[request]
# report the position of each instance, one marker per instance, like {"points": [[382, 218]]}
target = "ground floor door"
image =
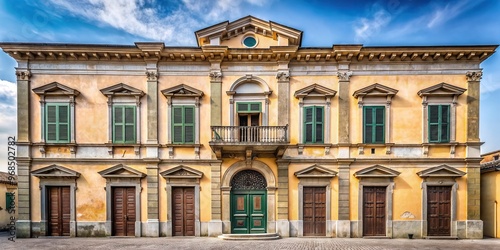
{"points": [[438, 210], [248, 211], [59, 211], [124, 211], [374, 209], [183, 211], [314, 211]]}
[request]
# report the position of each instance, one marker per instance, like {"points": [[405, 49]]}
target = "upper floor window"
{"points": [[123, 113], [313, 124], [374, 103], [57, 112], [374, 124], [124, 124], [183, 124], [57, 122], [439, 123], [439, 110]]}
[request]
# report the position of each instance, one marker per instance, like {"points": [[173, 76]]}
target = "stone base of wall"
{"points": [[151, 228], [474, 229], [401, 229], [343, 229], [214, 228], [91, 229], [283, 228], [23, 229]]}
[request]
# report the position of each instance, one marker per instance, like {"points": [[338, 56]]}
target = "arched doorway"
{"points": [[248, 203]]}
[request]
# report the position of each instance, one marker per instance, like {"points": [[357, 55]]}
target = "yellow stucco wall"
{"points": [[262, 41], [490, 197], [5, 216]]}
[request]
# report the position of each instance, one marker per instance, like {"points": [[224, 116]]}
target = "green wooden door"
{"points": [[248, 211]]}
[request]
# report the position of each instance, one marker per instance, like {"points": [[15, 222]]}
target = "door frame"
{"points": [[388, 203], [44, 200], [319, 182], [226, 193], [453, 206], [109, 207], [197, 223], [247, 192], [362, 195]]}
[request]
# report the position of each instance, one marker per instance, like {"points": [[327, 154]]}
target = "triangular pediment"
{"points": [[441, 89], [55, 88], [182, 90], [182, 172], [122, 89], [263, 30], [441, 171], [121, 171], [377, 171], [375, 90], [315, 90], [316, 171], [55, 171]]}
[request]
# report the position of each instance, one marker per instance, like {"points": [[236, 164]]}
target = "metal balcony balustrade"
{"points": [[250, 134]]}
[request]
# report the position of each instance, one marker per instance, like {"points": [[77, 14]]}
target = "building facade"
{"points": [[490, 193], [248, 133]]}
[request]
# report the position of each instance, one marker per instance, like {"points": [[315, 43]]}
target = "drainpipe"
{"points": [[495, 222]]}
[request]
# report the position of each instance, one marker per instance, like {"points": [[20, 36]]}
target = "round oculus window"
{"points": [[249, 41]]}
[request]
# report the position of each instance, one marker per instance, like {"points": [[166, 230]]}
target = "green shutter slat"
{"points": [[51, 114], [177, 115], [178, 134], [248, 107], [63, 114], [189, 115], [439, 123], [255, 107], [374, 124], [183, 122], [124, 122], [189, 134], [129, 115], [433, 114], [118, 114], [242, 107], [63, 132], [313, 124], [57, 123]]}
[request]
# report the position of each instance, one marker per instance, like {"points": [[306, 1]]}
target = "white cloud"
{"points": [[175, 27], [8, 123], [366, 27]]}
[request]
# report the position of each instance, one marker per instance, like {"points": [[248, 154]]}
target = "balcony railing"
{"points": [[250, 134]]}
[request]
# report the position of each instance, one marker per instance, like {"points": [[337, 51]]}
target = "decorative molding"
{"points": [[441, 89], [121, 171], [55, 89], [314, 90], [344, 76], [55, 171], [315, 171], [182, 90], [215, 76], [121, 89], [152, 75], [441, 171], [375, 90], [376, 171], [182, 172], [23, 75], [283, 76], [474, 76]]}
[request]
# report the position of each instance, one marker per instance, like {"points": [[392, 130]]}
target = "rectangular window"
{"points": [[183, 124], [9, 200], [313, 124], [57, 123], [248, 107], [439, 123], [373, 127], [124, 124]]}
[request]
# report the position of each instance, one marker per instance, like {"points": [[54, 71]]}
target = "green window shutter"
{"points": [[313, 124], [9, 198], [439, 123], [57, 123], [374, 124], [248, 107], [124, 124], [183, 123]]}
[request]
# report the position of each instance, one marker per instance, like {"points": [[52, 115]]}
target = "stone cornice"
{"points": [[157, 51]]}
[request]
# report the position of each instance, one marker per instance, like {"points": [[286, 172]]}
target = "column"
{"points": [[283, 224], [23, 223], [344, 223], [152, 228], [474, 226], [215, 226], [283, 77]]}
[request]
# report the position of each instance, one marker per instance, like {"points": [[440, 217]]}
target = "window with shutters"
{"points": [[373, 124], [10, 201], [57, 122], [248, 107], [124, 122], [313, 124], [439, 123], [183, 124]]}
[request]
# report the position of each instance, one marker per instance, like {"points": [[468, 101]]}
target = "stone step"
{"points": [[264, 236]]}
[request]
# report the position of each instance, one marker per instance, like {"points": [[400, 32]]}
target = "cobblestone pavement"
{"points": [[215, 243]]}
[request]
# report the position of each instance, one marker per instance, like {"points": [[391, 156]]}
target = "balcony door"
{"points": [[249, 131]]}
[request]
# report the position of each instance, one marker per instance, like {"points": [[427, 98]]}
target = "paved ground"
{"points": [[215, 243]]}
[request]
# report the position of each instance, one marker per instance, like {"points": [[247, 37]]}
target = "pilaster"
{"points": [[343, 224], [283, 77], [215, 225], [283, 224], [23, 223], [215, 93]]}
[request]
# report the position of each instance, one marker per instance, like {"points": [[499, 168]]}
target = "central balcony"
{"points": [[235, 140]]}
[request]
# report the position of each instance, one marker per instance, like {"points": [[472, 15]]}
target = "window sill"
{"points": [[137, 147], [42, 146], [171, 146], [327, 146]]}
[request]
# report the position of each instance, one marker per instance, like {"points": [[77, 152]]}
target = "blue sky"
{"points": [[324, 23]]}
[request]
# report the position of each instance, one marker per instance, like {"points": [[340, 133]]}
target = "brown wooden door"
{"points": [[124, 211], [374, 211], [438, 211], [314, 211], [59, 211], [183, 211]]}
